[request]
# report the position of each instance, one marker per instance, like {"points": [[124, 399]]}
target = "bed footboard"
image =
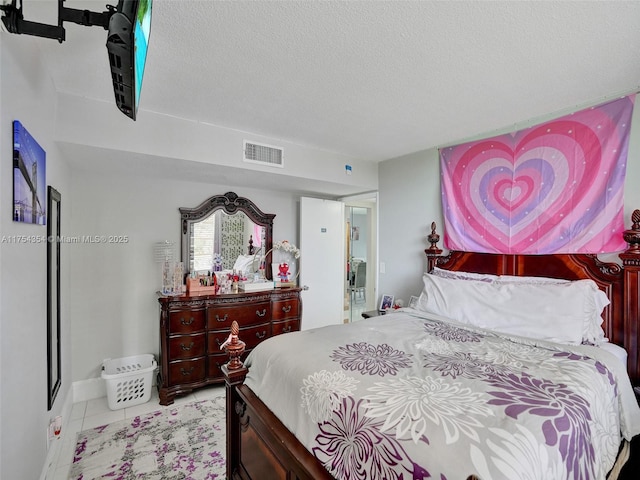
{"points": [[259, 446]]}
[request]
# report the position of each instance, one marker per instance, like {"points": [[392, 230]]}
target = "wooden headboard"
{"points": [[621, 282]]}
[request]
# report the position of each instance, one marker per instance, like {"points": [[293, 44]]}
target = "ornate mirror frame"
{"points": [[230, 203], [54, 364]]}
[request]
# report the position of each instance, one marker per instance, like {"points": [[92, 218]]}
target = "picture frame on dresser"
{"points": [[386, 302]]}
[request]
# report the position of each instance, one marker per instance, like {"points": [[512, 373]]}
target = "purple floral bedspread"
{"points": [[403, 396]]}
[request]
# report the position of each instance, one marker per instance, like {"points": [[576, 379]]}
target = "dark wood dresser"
{"points": [[192, 328]]}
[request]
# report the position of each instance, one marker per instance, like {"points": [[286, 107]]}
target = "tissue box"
{"points": [[255, 286]]}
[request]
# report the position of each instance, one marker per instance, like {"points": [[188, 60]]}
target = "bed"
{"points": [[347, 401]]}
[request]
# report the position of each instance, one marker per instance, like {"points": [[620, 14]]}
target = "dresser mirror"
{"points": [[223, 232]]}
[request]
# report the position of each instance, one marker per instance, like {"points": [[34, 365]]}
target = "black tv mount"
{"points": [[15, 22]]}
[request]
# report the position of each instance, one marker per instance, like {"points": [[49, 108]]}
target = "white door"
{"points": [[322, 248]]}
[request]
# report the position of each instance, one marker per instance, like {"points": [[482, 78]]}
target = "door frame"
{"points": [[368, 200]]}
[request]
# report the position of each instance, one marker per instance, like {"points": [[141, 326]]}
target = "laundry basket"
{"points": [[129, 380]]}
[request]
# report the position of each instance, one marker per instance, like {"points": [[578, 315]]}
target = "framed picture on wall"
{"points": [[386, 302], [29, 179]]}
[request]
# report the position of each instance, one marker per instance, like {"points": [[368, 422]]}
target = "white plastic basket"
{"points": [[129, 380]]}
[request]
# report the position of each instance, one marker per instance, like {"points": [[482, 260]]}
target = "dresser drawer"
{"points": [[251, 336], [222, 317], [187, 371], [283, 309], [186, 321], [186, 346], [285, 326]]}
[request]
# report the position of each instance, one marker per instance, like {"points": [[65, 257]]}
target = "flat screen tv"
{"points": [[127, 44]]}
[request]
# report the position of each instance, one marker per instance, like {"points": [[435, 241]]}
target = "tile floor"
{"points": [[96, 412]]}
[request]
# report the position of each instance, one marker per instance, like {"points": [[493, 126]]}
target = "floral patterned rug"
{"points": [[182, 442]]}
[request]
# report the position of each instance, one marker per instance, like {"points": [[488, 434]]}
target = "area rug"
{"points": [[182, 442]]}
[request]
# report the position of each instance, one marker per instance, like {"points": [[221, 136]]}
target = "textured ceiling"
{"points": [[371, 79]]}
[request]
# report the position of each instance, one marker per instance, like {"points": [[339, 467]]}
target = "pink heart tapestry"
{"points": [[557, 187]]}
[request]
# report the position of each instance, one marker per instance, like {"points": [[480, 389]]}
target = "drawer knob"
{"points": [[286, 309], [186, 322], [262, 334], [264, 312], [186, 372], [287, 329], [186, 347], [223, 319]]}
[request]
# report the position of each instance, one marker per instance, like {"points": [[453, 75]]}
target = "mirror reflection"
{"points": [[221, 239], [226, 232]]}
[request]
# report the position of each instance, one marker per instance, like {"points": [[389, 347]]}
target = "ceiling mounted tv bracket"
{"points": [[15, 22]]}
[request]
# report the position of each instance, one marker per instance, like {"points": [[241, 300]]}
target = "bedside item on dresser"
{"points": [[386, 302], [172, 271], [373, 313], [255, 286], [413, 301], [202, 284], [285, 270], [192, 329]]}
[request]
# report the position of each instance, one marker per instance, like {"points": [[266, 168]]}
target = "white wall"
{"points": [[27, 94], [108, 302], [99, 125], [409, 189], [409, 200], [114, 285]]}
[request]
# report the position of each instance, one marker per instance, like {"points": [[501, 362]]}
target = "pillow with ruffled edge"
{"points": [[565, 312], [460, 275], [592, 332]]}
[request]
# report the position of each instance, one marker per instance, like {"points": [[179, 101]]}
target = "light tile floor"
{"points": [[96, 412]]}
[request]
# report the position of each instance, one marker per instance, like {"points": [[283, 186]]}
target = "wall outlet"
{"points": [[54, 429]]}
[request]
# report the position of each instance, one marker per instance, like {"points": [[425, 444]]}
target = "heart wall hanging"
{"points": [[557, 187]]}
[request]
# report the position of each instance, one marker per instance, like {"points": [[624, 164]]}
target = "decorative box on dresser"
{"points": [[192, 329]]}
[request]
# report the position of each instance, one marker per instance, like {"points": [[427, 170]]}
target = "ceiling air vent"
{"points": [[263, 154]]}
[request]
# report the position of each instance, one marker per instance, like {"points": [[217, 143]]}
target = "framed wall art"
{"points": [[29, 179]]}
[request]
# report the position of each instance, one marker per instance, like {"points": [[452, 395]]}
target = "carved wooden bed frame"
{"points": [[260, 447]]}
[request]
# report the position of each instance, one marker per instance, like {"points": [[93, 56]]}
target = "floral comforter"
{"points": [[405, 396]]}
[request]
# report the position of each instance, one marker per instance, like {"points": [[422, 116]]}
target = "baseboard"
{"points": [[84, 390]]}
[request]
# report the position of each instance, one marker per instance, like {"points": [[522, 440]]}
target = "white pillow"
{"points": [[459, 275], [619, 352], [592, 327], [487, 277], [555, 312], [592, 332]]}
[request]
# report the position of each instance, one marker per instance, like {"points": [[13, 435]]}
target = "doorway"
{"points": [[361, 255]]}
